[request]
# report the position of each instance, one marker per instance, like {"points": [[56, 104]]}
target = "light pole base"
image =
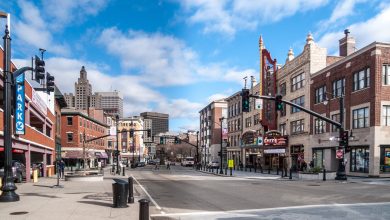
{"points": [[9, 196], [340, 176]]}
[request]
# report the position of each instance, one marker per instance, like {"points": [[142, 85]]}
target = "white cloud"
{"points": [[63, 12], [229, 16], [364, 32], [162, 60], [180, 108], [33, 30]]}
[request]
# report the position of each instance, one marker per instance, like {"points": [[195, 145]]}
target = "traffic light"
{"points": [[49, 83], [245, 100], [177, 140], [149, 133], [131, 133], [278, 103], [39, 69], [344, 139], [161, 140]]}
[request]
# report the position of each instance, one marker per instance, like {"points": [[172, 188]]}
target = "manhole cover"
{"points": [[313, 185], [18, 213]]}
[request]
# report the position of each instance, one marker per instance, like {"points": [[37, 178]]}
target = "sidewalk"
{"points": [[76, 200], [253, 175]]}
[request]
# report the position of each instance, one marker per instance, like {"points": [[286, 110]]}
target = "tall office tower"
{"points": [[110, 102], [83, 91], [160, 121]]}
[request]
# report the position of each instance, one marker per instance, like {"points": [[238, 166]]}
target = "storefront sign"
{"points": [[250, 138], [19, 105], [274, 138], [274, 151], [17, 151], [38, 102]]}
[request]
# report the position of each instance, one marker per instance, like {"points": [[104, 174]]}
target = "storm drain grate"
{"points": [[18, 213]]}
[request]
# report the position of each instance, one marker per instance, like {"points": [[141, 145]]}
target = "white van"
{"points": [[188, 162]]}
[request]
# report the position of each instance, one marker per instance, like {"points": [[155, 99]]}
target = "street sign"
{"points": [[231, 163], [20, 105], [339, 154]]}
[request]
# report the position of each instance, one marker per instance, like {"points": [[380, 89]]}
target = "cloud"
{"points": [[63, 12], [364, 32], [162, 60], [33, 30], [229, 16], [180, 108]]}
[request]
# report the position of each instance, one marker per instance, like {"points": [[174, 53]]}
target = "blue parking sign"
{"points": [[19, 105]]}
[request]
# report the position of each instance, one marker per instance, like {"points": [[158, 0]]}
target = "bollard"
{"points": [[217, 170], [245, 168], [269, 170], [130, 199], [225, 170], [123, 171], [261, 169], [255, 169], [231, 171], [212, 169], [250, 169], [290, 177], [285, 172], [324, 175], [277, 171], [143, 209], [282, 173]]}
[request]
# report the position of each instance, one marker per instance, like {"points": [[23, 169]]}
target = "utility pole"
{"points": [[117, 146], [221, 156], [197, 150]]}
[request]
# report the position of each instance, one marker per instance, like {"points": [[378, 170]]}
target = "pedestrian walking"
{"points": [[61, 169]]}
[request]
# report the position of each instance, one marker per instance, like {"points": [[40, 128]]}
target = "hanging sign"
{"points": [[19, 105]]}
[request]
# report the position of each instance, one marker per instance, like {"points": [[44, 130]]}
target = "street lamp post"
{"points": [[117, 145], [9, 187], [221, 157]]}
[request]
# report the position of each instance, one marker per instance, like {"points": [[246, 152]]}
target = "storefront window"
{"points": [[318, 157], [385, 159], [360, 160]]}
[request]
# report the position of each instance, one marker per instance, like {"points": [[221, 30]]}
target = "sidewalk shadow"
{"points": [[40, 195], [51, 186], [97, 203], [99, 196]]}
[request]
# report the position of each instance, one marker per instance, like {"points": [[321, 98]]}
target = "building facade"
{"points": [[159, 122], [212, 122], [77, 128], [110, 102], [132, 149], [293, 82], [362, 78]]}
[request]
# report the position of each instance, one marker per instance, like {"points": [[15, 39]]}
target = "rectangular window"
{"points": [[282, 89], [319, 126], [248, 122], [385, 159], [361, 79], [282, 129], [360, 118], [70, 137], [69, 120], [338, 87], [386, 74], [320, 94], [299, 101], [359, 160], [386, 115], [297, 126], [335, 117], [256, 119], [297, 82], [239, 124]]}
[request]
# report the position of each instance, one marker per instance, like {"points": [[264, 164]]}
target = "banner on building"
{"points": [[19, 105]]}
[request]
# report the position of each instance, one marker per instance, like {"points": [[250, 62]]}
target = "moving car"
{"points": [[18, 170], [188, 162], [214, 164]]}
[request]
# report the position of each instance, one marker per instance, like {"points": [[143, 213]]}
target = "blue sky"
{"points": [[176, 56]]}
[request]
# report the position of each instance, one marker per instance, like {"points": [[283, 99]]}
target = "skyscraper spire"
{"points": [[261, 43]]}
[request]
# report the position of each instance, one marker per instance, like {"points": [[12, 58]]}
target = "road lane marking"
{"points": [[243, 211], [150, 197]]}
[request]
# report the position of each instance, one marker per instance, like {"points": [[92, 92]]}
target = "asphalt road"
{"points": [[183, 193]]}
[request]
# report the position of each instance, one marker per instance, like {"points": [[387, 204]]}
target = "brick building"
{"points": [[75, 128], [131, 149], [210, 130], [234, 122], [37, 145], [362, 77]]}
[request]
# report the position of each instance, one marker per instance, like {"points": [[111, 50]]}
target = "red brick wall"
{"points": [[374, 94]]}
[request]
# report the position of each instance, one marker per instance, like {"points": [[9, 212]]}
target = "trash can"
{"points": [[120, 192]]}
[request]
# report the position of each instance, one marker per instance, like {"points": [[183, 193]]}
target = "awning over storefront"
{"points": [[101, 155]]}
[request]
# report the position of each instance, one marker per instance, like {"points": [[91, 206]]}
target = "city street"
{"points": [[183, 193]]}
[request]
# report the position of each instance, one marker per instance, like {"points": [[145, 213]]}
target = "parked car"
{"points": [[152, 162], [18, 171], [214, 164]]}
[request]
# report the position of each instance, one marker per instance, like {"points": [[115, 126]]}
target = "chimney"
{"points": [[346, 44]]}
